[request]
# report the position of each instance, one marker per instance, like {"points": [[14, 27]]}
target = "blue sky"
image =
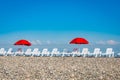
{"points": [[54, 21]]}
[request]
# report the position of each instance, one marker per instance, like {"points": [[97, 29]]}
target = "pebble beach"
{"points": [[59, 68]]}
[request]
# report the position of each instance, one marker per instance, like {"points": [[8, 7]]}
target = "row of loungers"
{"points": [[35, 52]]}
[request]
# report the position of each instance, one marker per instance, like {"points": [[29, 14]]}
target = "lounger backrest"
{"points": [[2, 50], [55, 50], [44, 51], [109, 50], [97, 50], [36, 50], [85, 50], [28, 50]]}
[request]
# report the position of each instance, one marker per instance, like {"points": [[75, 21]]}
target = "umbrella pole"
{"points": [[23, 50], [78, 49]]}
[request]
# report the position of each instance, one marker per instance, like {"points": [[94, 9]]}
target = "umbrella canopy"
{"points": [[23, 42], [79, 41]]}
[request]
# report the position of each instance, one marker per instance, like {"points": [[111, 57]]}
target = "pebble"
{"points": [[59, 68]]}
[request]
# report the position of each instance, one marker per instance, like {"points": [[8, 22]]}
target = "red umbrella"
{"points": [[79, 41], [23, 42]]}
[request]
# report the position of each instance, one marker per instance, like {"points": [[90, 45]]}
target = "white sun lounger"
{"points": [[109, 52], [19, 53], [36, 52], [28, 52], [10, 52], [75, 53], [45, 52], [55, 52], [85, 52], [65, 53], [97, 52], [2, 52]]}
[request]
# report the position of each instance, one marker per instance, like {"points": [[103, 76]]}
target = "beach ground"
{"points": [[59, 68]]}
